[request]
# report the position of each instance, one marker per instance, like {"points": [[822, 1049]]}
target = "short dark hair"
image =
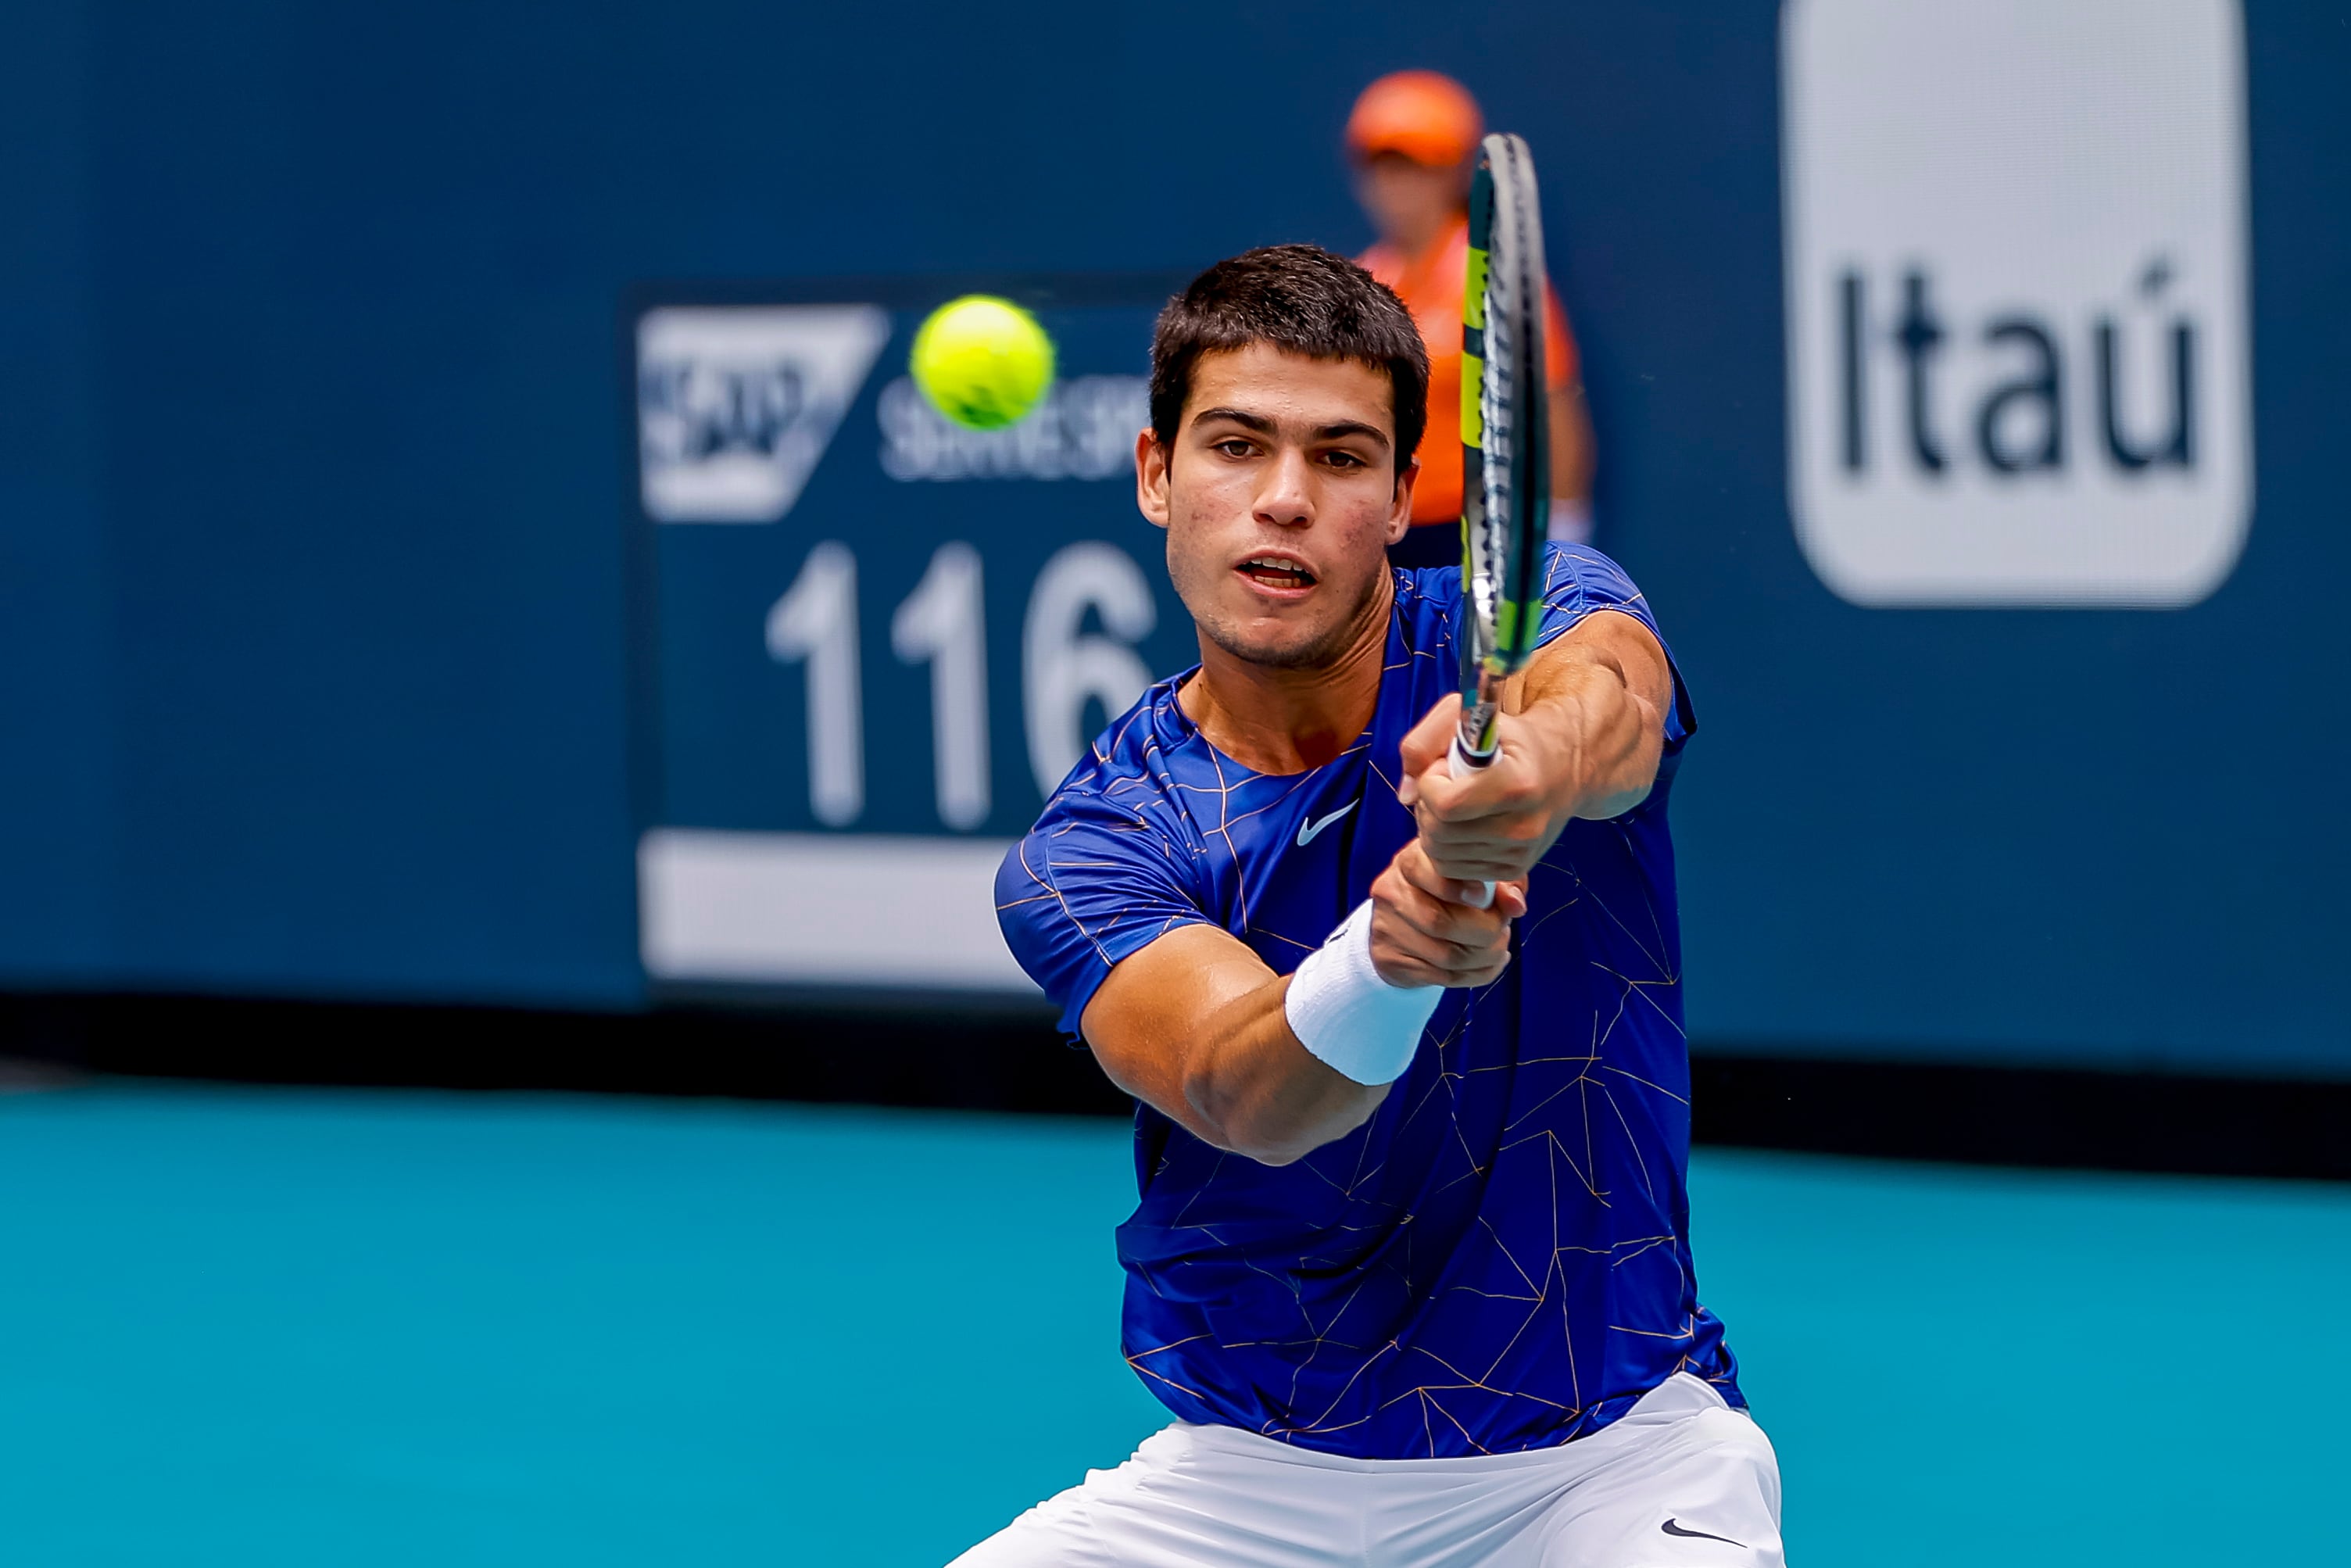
{"points": [[1301, 297]]}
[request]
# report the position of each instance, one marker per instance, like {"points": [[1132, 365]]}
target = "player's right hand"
{"points": [[1423, 934]]}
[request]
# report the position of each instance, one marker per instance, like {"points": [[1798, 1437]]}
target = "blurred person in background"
{"points": [[1414, 140]]}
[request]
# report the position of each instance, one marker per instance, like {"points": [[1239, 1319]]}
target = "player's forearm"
{"points": [[1581, 734], [1274, 1066], [1302, 1061], [1258, 1091], [1595, 705], [1194, 1026], [1605, 738]]}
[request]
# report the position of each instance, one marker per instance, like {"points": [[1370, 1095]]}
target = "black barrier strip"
{"points": [[943, 1058]]}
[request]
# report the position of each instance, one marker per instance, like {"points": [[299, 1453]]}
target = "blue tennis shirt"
{"points": [[1499, 1259]]}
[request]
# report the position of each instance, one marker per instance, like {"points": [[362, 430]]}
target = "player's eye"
{"points": [[1234, 446], [1346, 460]]}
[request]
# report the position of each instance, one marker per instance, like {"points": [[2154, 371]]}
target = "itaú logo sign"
{"points": [[2018, 350]]}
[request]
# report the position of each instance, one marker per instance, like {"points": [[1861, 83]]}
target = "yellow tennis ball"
{"points": [[984, 363]]}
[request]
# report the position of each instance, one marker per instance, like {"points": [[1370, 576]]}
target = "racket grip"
{"points": [[1458, 763]]}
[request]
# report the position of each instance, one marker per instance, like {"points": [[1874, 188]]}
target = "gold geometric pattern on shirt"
{"points": [[1567, 1097]]}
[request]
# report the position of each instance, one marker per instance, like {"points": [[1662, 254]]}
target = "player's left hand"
{"points": [[1492, 823]]}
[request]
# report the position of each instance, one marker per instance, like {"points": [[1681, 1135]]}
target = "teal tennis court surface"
{"points": [[299, 1327]]}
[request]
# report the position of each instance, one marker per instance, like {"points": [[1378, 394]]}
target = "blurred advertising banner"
{"points": [[878, 639]]}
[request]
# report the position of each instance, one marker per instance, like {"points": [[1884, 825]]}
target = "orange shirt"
{"points": [[1431, 290]]}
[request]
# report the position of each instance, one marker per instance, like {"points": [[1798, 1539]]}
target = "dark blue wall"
{"points": [[314, 479]]}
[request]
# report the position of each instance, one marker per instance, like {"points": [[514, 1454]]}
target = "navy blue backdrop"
{"points": [[317, 490]]}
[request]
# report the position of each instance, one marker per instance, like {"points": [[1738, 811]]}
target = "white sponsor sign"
{"points": [[736, 405], [821, 909], [2018, 346]]}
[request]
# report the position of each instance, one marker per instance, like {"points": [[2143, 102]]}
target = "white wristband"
{"points": [[1347, 1016]]}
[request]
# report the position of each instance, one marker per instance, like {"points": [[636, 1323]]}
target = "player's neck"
{"points": [[1274, 720]]}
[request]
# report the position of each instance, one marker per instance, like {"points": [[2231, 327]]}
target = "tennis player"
{"points": [[1411, 1265]]}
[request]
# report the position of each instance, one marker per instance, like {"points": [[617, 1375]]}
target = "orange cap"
{"points": [[1427, 115]]}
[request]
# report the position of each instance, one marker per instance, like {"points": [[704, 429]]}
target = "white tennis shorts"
{"points": [[1681, 1479]]}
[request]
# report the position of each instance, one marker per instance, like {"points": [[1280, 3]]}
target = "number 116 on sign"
{"points": [[942, 623]]}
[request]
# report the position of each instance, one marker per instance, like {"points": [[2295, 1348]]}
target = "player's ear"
{"points": [[1151, 477], [1400, 505]]}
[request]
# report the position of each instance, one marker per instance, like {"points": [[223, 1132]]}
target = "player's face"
{"points": [[1279, 497]]}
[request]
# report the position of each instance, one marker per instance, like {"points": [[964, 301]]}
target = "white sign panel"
{"points": [[2017, 344], [825, 910], [736, 405]]}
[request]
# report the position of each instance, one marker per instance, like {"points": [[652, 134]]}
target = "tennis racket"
{"points": [[1505, 444]]}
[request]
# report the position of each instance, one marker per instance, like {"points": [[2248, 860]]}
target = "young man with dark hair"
{"points": [[1411, 1264]]}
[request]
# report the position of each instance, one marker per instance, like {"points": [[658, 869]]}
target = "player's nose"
{"points": [[1285, 495]]}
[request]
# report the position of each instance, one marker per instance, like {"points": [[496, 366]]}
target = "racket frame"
{"points": [[1505, 439], [1505, 447]]}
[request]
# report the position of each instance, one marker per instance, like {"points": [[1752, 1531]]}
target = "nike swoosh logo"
{"points": [[1673, 1526], [1307, 831]]}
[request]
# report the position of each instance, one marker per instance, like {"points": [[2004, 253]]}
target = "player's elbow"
{"points": [[1275, 1154], [1242, 1121], [1273, 1149], [1626, 783], [1616, 802]]}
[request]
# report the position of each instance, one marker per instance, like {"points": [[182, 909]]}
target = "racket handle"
{"points": [[1458, 764]]}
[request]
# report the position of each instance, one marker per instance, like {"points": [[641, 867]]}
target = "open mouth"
{"points": [[1276, 571]]}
